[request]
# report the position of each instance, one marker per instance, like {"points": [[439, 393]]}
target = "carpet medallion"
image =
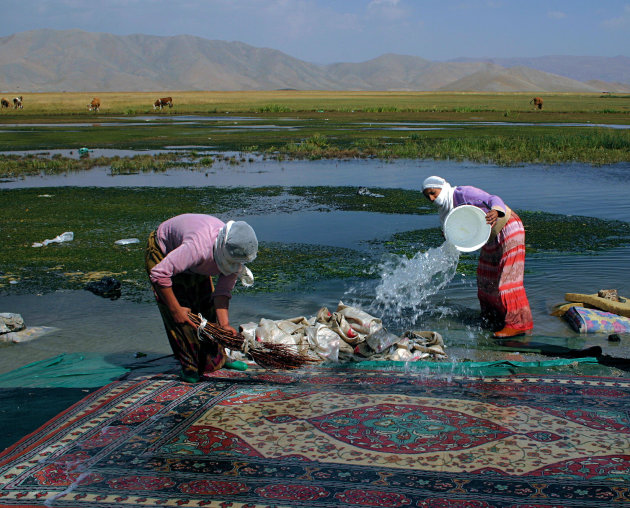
{"points": [[324, 437]]}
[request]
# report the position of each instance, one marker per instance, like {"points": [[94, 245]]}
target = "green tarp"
{"points": [[74, 370], [89, 370], [497, 368]]}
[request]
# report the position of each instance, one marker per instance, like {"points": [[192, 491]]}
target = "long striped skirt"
{"points": [[500, 279], [193, 291]]}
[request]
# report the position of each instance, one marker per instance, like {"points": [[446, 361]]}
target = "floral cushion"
{"points": [[585, 320]]}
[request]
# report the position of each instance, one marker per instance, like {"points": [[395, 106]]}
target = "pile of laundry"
{"points": [[348, 334]]}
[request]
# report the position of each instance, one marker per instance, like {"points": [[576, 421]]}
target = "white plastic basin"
{"points": [[465, 227]]}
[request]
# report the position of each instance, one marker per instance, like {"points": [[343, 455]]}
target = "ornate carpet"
{"points": [[331, 438]]}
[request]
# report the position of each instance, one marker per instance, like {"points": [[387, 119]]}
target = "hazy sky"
{"points": [[327, 31]]}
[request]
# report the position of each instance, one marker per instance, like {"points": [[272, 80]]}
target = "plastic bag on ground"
{"points": [[381, 340], [127, 241], [68, 236], [361, 321], [340, 325], [249, 331], [428, 342], [324, 342], [274, 331]]}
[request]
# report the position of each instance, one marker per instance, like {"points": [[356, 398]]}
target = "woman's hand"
{"points": [[179, 313], [221, 305], [180, 316], [491, 217], [229, 329]]}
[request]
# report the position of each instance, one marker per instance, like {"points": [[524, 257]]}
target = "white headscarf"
{"points": [[235, 245], [445, 199]]}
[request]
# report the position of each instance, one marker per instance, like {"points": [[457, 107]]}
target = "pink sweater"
{"points": [[467, 195], [187, 241]]}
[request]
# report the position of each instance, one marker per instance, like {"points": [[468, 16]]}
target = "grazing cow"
{"points": [[17, 102], [5, 103], [95, 105], [538, 102], [164, 101]]}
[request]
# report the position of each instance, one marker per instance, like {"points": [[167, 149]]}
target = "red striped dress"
{"points": [[500, 278]]}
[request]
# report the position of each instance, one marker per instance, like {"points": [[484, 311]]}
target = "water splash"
{"points": [[406, 284]]}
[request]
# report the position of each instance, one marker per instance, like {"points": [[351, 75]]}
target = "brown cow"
{"points": [[538, 102], [95, 105], [5, 103], [17, 102], [164, 101]]}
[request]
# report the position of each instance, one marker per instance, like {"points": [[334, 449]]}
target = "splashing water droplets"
{"points": [[406, 284]]}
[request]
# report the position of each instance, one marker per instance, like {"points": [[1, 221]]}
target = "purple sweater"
{"points": [[467, 195], [188, 241]]}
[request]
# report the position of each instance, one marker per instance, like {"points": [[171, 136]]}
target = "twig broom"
{"points": [[265, 354]]}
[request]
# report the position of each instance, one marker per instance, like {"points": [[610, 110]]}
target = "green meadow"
{"points": [[429, 106], [499, 128]]}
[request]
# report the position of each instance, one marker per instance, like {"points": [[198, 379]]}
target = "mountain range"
{"points": [[74, 61]]}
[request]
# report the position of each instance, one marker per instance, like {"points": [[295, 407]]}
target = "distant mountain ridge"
{"points": [[580, 68], [74, 60]]}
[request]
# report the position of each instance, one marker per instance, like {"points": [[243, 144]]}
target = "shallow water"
{"points": [[88, 323], [445, 125], [222, 122], [578, 189]]}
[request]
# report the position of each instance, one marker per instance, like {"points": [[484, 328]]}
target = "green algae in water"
{"points": [[401, 201], [546, 232], [100, 216]]}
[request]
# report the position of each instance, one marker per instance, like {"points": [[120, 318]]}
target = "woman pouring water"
{"points": [[182, 255], [504, 304]]}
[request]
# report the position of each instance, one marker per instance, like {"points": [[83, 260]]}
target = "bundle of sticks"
{"points": [[265, 354]]}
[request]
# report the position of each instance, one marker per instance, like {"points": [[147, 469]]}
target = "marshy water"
{"points": [[421, 293]]}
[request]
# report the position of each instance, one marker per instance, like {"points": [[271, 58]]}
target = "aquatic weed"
{"points": [[100, 216]]}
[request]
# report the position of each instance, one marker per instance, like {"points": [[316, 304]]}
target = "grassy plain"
{"points": [[444, 106], [499, 128]]}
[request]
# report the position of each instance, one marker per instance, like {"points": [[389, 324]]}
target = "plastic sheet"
{"points": [[68, 236], [64, 371], [27, 334], [498, 368], [126, 241]]}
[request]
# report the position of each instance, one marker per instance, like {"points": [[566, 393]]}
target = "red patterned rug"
{"points": [[331, 438]]}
